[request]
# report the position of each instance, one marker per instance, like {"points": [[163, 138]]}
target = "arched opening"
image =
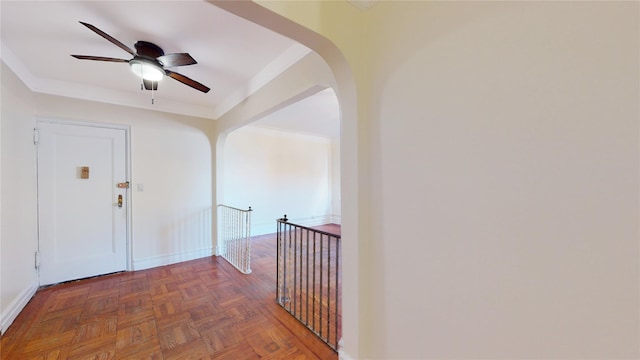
{"points": [[286, 162], [326, 67]]}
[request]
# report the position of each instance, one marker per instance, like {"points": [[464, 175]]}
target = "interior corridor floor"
{"points": [[200, 309]]}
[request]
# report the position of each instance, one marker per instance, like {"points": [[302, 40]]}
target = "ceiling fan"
{"points": [[149, 62]]}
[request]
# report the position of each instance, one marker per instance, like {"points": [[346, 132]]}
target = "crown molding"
{"points": [[95, 93], [279, 65]]}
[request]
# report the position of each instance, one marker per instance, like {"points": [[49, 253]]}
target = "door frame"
{"points": [[129, 193]]}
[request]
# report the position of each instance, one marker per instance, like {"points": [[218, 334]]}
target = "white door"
{"points": [[83, 227]]}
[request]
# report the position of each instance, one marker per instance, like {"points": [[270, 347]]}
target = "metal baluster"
{"points": [[338, 249], [223, 230], [234, 231], [295, 270], [301, 267], [227, 232], [307, 293], [278, 280], [248, 235], [328, 288], [232, 234], [230, 238], [236, 239], [295, 261], [284, 266], [291, 280], [314, 282], [242, 253], [242, 243], [321, 272]]}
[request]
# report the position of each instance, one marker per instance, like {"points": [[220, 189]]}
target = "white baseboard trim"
{"points": [[162, 260], [344, 356], [312, 221], [336, 219], [16, 306]]}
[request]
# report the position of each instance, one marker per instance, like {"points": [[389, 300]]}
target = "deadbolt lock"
{"points": [[123, 185]]}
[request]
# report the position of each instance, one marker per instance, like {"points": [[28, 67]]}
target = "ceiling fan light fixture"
{"points": [[148, 62], [146, 70]]}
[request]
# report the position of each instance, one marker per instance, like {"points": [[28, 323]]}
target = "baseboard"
{"points": [[336, 219], [155, 261], [344, 356], [13, 310], [312, 221]]}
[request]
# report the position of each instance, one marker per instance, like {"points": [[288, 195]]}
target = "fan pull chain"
{"points": [[142, 79]]}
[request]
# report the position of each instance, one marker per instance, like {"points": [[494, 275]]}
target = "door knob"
{"points": [[119, 200]]}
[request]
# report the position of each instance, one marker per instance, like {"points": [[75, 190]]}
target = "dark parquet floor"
{"points": [[200, 309]]}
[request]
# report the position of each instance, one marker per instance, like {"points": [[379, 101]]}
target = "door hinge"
{"points": [[36, 136], [37, 259]]}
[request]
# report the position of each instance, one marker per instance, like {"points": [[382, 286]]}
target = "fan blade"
{"points": [[189, 82], [99, 58], [180, 59], [108, 37], [150, 84]]}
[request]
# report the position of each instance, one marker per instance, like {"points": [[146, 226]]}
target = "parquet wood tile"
{"points": [[138, 334], [139, 341], [201, 309], [47, 343], [241, 350]]}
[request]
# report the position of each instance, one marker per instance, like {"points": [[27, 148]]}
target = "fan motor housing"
{"points": [[148, 50]]}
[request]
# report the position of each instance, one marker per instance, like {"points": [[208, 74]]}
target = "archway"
{"points": [[330, 68]]}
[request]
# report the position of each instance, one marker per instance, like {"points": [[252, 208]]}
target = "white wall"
{"points": [[336, 195], [170, 156], [509, 132], [496, 173], [173, 214], [276, 173], [2, 315], [506, 200], [18, 236]]}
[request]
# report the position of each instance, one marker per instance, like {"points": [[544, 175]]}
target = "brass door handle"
{"points": [[120, 201]]}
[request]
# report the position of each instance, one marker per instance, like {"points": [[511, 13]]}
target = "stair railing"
{"points": [[235, 236], [308, 278]]}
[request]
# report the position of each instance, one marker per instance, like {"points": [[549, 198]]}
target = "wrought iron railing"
{"points": [[308, 278], [235, 236]]}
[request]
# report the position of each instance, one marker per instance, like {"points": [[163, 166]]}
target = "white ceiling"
{"points": [[315, 115], [235, 57]]}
